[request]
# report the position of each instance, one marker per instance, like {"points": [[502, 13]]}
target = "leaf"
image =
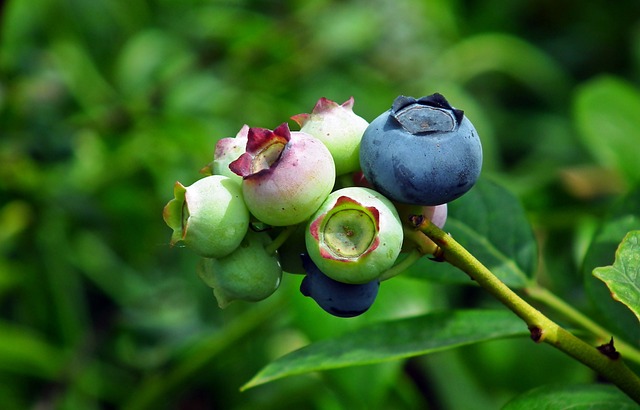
{"points": [[494, 52], [393, 340], [150, 58], [490, 223], [401, 297], [82, 76], [574, 397], [622, 278], [23, 351], [606, 112], [622, 218]]}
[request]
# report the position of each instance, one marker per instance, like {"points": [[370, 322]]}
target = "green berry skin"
{"points": [[354, 236], [248, 274], [209, 216], [339, 128], [228, 150]]}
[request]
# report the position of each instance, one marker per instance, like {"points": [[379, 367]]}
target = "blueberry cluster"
{"points": [[327, 201]]}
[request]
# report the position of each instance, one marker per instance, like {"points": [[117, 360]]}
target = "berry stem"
{"points": [[279, 240], [401, 266], [422, 243], [608, 364]]}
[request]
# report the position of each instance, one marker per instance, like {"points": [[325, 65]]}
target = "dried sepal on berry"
{"points": [[286, 175]]}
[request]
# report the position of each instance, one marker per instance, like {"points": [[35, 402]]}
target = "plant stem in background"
{"points": [[608, 364], [545, 296], [157, 387]]}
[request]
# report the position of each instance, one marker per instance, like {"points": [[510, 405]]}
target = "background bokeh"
{"points": [[104, 104]]}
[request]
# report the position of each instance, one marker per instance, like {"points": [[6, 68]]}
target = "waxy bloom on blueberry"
{"points": [[249, 273], [228, 150], [286, 175], [208, 216], [339, 128], [421, 152], [355, 235]]}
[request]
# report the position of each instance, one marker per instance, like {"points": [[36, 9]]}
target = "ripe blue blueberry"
{"points": [[421, 152], [337, 298]]}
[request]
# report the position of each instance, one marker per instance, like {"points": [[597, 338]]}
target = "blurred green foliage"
{"points": [[104, 104]]}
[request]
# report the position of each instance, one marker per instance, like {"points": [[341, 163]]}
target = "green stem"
{"points": [[413, 256], [543, 295], [279, 240], [344, 180], [541, 327], [418, 240]]}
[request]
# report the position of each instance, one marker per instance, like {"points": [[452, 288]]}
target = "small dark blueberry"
{"points": [[337, 298]]}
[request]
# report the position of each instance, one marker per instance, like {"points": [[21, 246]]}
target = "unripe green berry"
{"points": [[249, 273], [339, 128], [355, 235], [208, 216], [228, 150]]}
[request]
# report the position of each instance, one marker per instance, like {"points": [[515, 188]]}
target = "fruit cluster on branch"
{"points": [[329, 201]]}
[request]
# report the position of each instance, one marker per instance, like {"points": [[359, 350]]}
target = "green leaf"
{"points": [[623, 218], [494, 52], [606, 113], [392, 340], [23, 351], [574, 397], [82, 76], [490, 223], [398, 298], [622, 277], [149, 59]]}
